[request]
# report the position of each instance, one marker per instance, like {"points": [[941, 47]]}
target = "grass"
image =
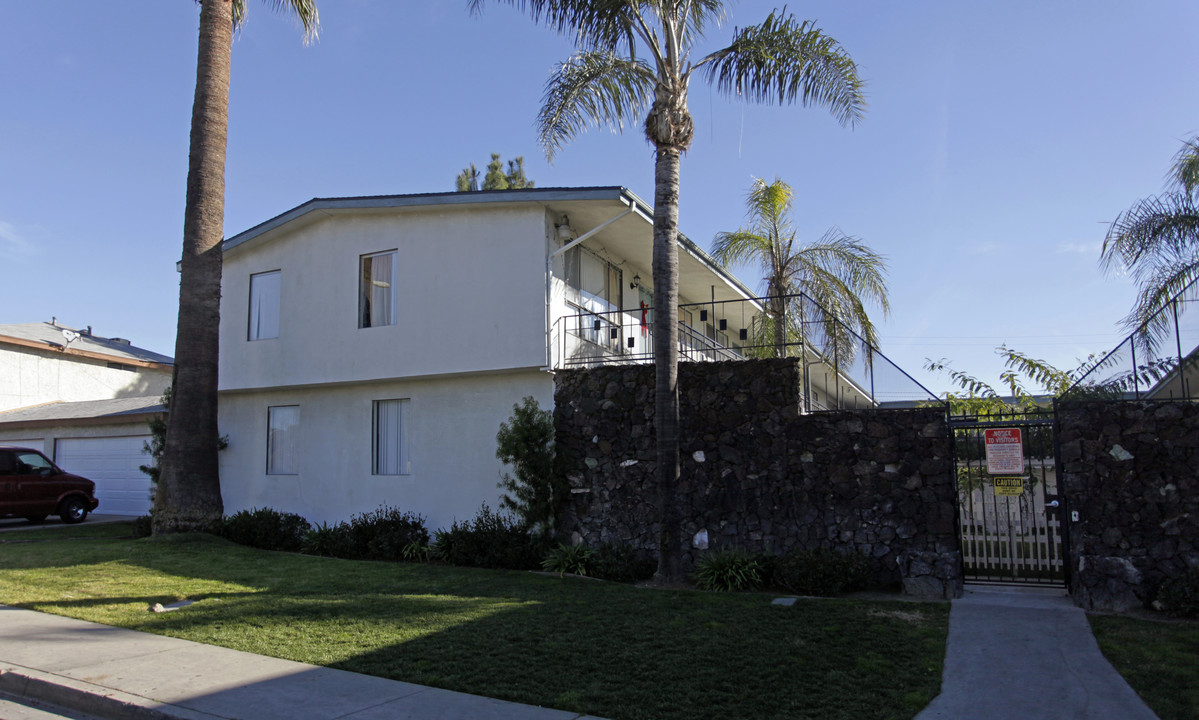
{"points": [[601, 648], [1160, 660]]}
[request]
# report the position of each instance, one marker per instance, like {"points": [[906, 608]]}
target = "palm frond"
{"points": [[1160, 283], [304, 10], [592, 88], [967, 382], [1185, 171], [593, 24], [1167, 223], [742, 246], [785, 60], [1050, 379], [860, 271]]}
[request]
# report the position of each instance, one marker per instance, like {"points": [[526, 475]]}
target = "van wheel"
{"points": [[72, 510], [35, 518]]}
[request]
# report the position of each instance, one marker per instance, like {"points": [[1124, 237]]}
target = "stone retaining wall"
{"points": [[757, 475], [1130, 470]]}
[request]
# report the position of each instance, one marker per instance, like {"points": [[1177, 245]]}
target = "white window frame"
{"points": [[376, 291], [282, 441], [269, 297], [389, 437]]}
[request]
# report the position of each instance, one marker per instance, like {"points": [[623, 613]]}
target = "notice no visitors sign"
{"points": [[1005, 451]]}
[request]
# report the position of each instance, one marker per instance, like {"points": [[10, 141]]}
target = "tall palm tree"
{"points": [[840, 273], [188, 496], [633, 60], [1157, 241]]}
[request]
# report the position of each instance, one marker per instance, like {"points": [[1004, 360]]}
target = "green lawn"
{"points": [[1160, 660], [588, 646]]}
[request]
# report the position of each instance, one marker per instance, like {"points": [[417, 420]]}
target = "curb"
{"points": [[66, 692]]}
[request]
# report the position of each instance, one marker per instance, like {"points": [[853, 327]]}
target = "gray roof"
{"points": [[86, 410], [52, 337]]}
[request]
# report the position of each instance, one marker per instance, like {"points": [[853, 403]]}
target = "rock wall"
{"points": [[758, 475], [1129, 469]]}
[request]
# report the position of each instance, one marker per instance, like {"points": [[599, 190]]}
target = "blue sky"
{"points": [[999, 139]]}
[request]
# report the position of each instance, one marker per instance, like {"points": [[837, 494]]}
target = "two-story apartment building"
{"points": [[371, 346]]}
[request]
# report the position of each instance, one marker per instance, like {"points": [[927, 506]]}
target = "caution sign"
{"points": [[1005, 451], [1008, 485]]}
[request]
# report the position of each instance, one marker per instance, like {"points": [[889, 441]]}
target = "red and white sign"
{"points": [[1005, 451]]}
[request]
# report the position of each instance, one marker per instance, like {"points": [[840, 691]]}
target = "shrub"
{"points": [[621, 563], [143, 526], [490, 540], [727, 570], [265, 528], [328, 541], [573, 559], [536, 491], [820, 571], [384, 533], [1180, 595]]}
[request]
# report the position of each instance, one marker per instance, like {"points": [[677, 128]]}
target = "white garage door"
{"points": [[110, 462]]}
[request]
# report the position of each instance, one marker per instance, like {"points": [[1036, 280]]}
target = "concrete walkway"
{"points": [[115, 673], [1027, 654]]}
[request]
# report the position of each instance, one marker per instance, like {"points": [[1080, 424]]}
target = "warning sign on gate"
{"points": [[1008, 485], [1005, 451]]}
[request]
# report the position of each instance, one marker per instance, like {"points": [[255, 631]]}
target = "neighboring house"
{"points": [[371, 346], [83, 400]]}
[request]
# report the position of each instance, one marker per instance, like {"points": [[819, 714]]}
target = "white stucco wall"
{"points": [[451, 428], [471, 297], [32, 377]]}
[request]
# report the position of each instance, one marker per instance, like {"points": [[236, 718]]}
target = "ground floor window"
{"points": [[390, 444], [282, 446]]}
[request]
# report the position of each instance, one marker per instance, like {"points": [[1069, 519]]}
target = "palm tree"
{"points": [[1157, 241], [838, 272], [188, 496], [634, 59]]}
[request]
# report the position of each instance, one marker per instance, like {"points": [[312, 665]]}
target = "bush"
{"points": [[383, 534], [265, 528], [328, 541], [820, 571], [490, 540], [621, 563], [573, 559], [143, 526], [1180, 595], [728, 570]]}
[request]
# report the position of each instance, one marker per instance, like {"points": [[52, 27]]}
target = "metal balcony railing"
{"points": [[841, 370]]}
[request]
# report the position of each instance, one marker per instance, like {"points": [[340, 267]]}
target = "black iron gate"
{"points": [[1008, 503]]}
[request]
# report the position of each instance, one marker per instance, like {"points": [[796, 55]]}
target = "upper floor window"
{"points": [[264, 305], [376, 293], [595, 283]]}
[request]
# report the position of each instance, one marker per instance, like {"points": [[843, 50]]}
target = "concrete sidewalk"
{"points": [[116, 673], [1028, 654]]}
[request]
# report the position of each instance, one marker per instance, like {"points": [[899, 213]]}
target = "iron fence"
{"points": [[840, 369], [1158, 361]]}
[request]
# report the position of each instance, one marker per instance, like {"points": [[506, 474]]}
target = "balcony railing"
{"points": [[841, 370]]}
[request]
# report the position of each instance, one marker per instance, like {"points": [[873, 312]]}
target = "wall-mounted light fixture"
{"points": [[566, 233], [636, 282]]}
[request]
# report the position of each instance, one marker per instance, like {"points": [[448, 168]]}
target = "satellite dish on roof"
{"points": [[69, 335]]}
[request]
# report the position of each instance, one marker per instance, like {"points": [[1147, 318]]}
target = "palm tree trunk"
{"points": [[188, 497], [666, 360]]}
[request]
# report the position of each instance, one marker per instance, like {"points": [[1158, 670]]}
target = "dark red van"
{"points": [[32, 487]]}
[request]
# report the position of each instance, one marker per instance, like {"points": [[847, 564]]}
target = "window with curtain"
{"points": [[376, 294], [264, 305], [390, 444], [282, 446]]}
